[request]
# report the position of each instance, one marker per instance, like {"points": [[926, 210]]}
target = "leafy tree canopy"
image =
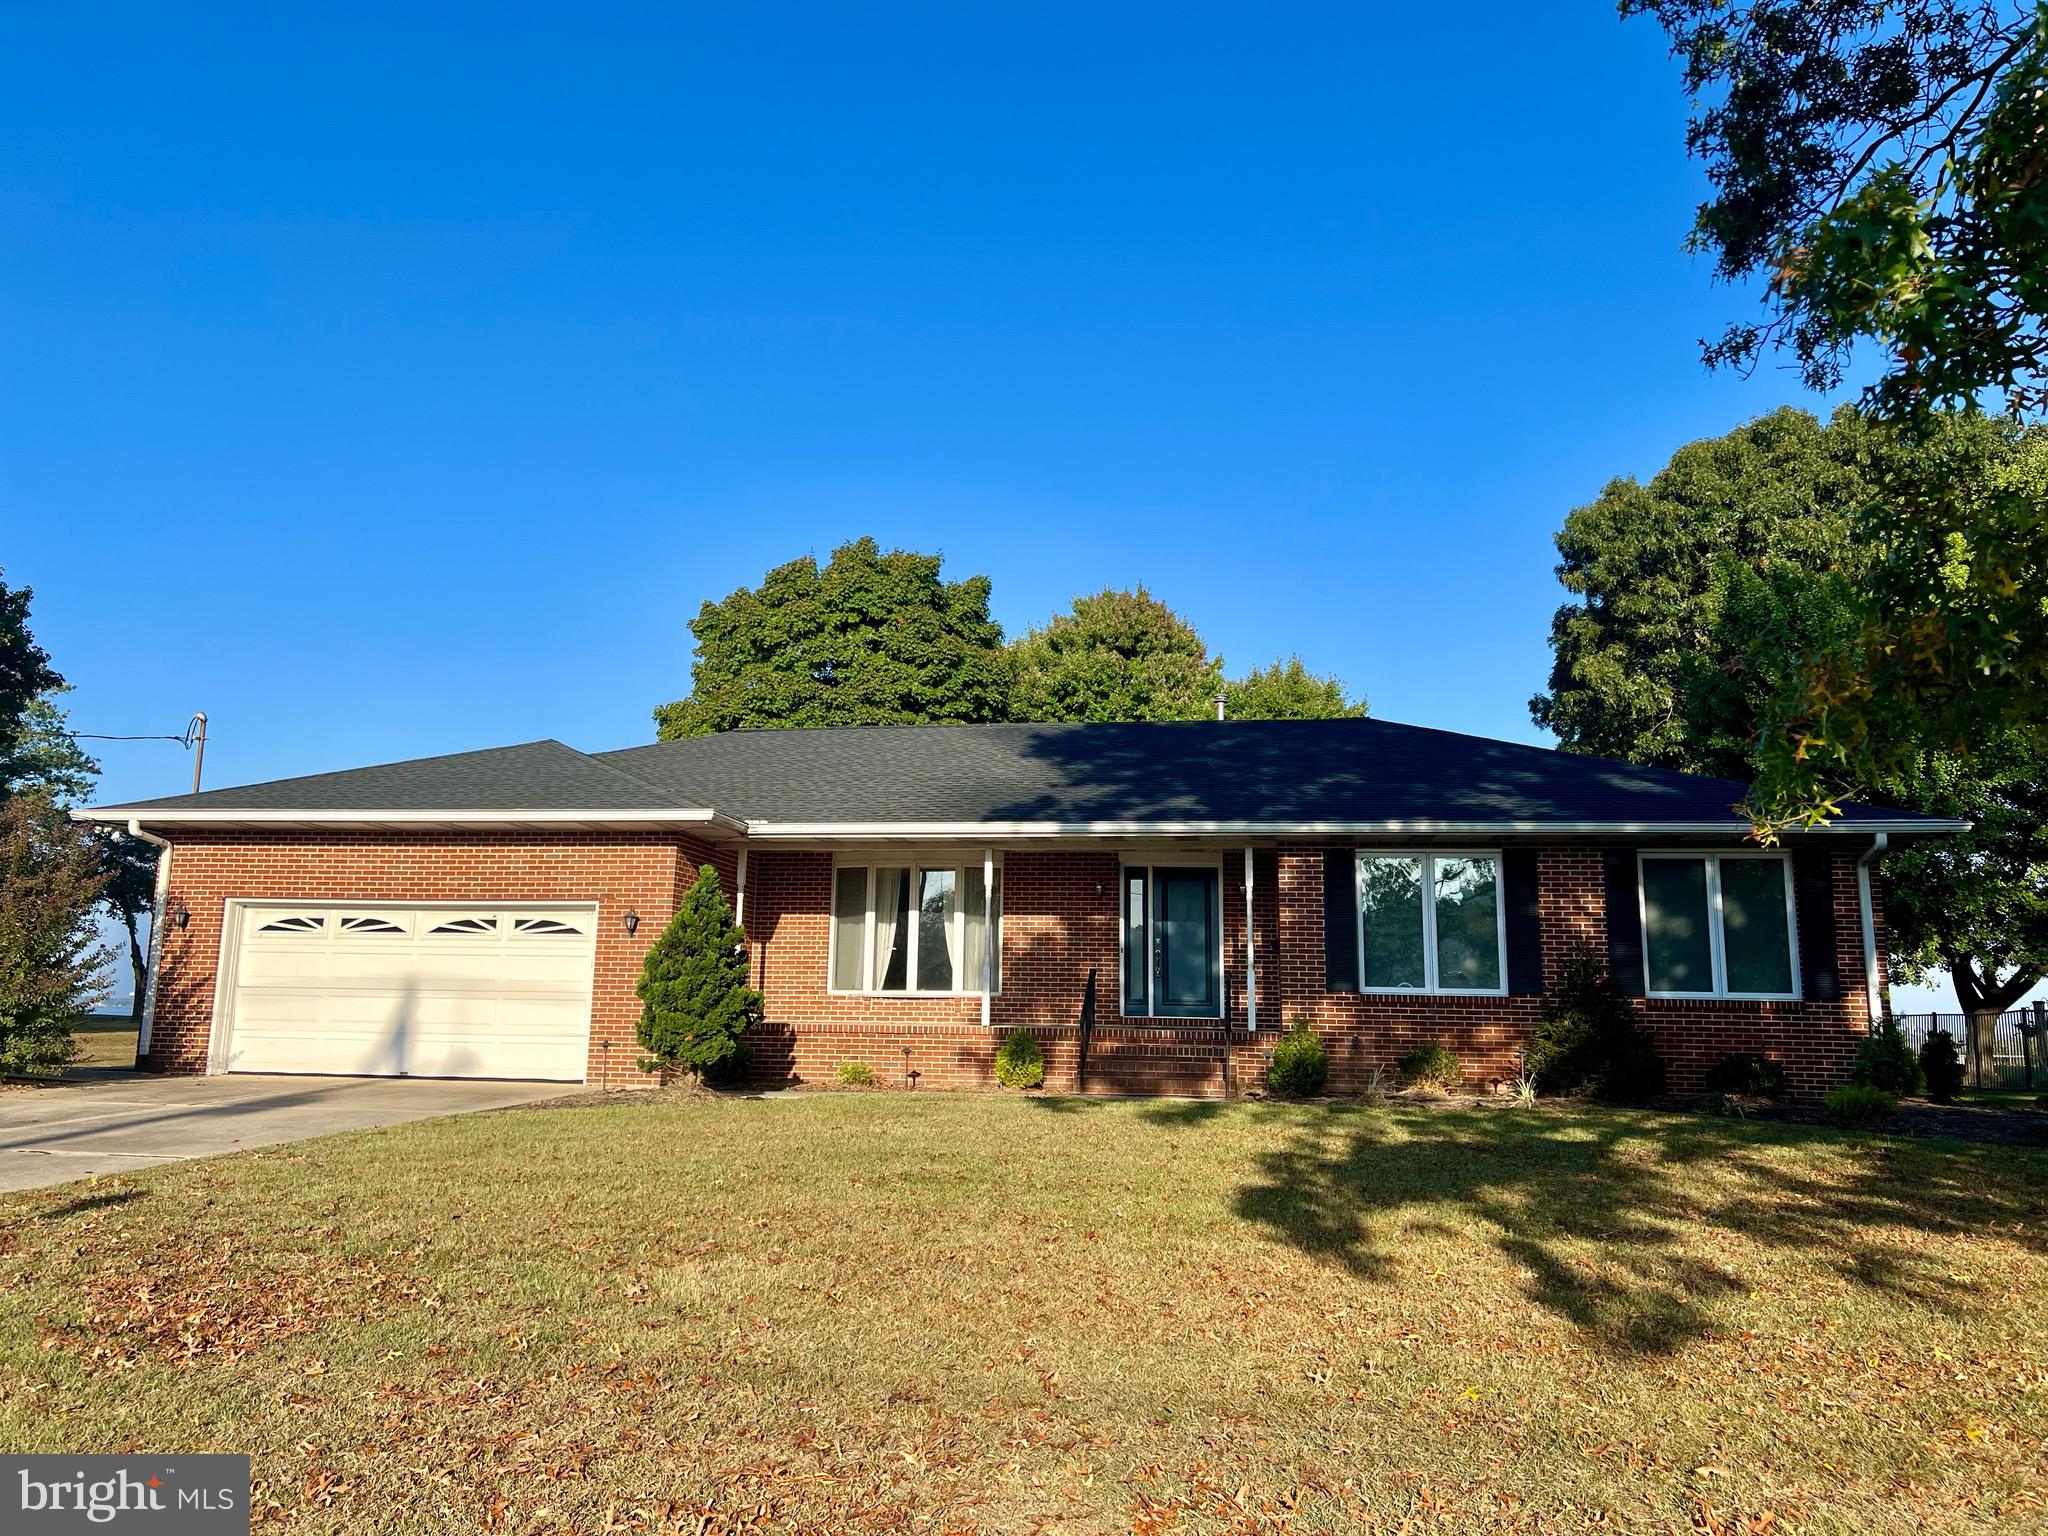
{"points": [[1703, 593], [1881, 167], [869, 639], [1119, 655], [51, 963], [25, 677], [1287, 690]]}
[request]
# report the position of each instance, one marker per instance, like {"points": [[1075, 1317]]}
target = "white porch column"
{"points": [[988, 928], [739, 895], [1251, 960]]}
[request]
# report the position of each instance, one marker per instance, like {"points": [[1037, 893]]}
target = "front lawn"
{"points": [[898, 1312]]}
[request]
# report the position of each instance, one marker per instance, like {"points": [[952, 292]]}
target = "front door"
{"points": [[1187, 944]]}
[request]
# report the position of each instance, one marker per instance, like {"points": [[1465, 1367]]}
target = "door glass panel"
{"points": [[1188, 949], [892, 929], [1681, 956], [1756, 943], [1137, 952], [1390, 908], [849, 927], [938, 936], [1467, 924]]}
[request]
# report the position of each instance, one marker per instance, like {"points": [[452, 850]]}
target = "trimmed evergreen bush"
{"points": [[1019, 1061], [1941, 1066], [1746, 1073], [693, 986], [856, 1074], [1301, 1064], [1588, 1039], [1886, 1061], [1858, 1104], [1434, 1065]]}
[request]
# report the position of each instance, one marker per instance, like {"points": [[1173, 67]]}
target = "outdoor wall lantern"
{"points": [[184, 916], [632, 922]]}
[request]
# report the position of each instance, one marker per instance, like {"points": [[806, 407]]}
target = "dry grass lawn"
{"points": [[892, 1312], [104, 1042]]}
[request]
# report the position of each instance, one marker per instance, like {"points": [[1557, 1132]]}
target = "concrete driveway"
{"points": [[120, 1122]]}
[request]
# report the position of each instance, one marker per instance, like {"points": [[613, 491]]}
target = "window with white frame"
{"points": [[911, 927], [1718, 925], [1430, 922]]}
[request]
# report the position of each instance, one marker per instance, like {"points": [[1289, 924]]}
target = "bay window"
{"points": [[914, 928], [1431, 922], [1717, 925]]}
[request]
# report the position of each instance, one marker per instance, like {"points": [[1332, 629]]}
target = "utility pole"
{"points": [[195, 737]]}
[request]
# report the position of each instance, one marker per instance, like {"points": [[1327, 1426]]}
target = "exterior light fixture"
{"points": [[632, 922], [184, 915]]}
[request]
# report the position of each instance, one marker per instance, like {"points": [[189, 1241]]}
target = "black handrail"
{"points": [[1086, 1030]]}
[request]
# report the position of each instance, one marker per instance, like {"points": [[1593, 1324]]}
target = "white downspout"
{"points": [[1251, 962], [989, 938], [1863, 863], [156, 931]]}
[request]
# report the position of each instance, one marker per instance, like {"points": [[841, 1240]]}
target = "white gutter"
{"points": [[1863, 863], [859, 831], [669, 816], [865, 831], [156, 931]]}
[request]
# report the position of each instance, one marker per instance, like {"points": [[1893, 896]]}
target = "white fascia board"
{"points": [[895, 831], [670, 816]]}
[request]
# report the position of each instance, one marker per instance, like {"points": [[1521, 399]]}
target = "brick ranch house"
{"points": [[912, 894]]}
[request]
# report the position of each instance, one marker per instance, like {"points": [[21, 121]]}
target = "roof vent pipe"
{"points": [[1221, 699]]}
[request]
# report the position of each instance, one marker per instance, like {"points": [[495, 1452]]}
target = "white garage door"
{"points": [[392, 991]]}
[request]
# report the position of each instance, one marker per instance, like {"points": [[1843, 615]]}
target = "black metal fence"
{"points": [[2015, 1058]]}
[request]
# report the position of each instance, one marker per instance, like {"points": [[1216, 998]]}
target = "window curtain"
{"points": [[888, 918]]}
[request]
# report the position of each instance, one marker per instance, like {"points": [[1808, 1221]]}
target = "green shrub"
{"points": [[1301, 1064], [1886, 1061], [1748, 1074], [1941, 1066], [856, 1074], [1019, 1062], [1858, 1104], [1434, 1065], [1588, 1039], [694, 987]]}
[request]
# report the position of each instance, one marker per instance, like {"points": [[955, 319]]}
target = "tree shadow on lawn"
{"points": [[1543, 1183]]}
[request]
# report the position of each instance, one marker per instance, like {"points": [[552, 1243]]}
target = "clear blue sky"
{"points": [[400, 380], [393, 381]]}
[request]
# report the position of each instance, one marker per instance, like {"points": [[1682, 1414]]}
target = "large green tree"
{"points": [[1287, 690], [26, 676], [1118, 655], [1879, 173], [52, 968], [868, 639], [1699, 597]]}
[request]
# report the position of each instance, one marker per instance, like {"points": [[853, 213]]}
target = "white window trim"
{"points": [[1167, 859], [962, 868], [1717, 941], [1428, 857]]}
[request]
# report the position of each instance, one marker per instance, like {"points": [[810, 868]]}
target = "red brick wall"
{"points": [[1060, 919], [643, 872]]}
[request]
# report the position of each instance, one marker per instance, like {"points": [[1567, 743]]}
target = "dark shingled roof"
{"points": [[536, 776], [1289, 772]]}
